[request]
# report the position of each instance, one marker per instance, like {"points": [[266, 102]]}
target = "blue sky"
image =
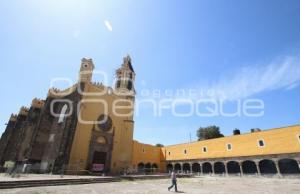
{"points": [[245, 49]]}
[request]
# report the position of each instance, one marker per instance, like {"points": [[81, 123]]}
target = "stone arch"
{"points": [[141, 167], [169, 167], [186, 167], [233, 167], [148, 167], [249, 167], [154, 167], [196, 167], [219, 168], [177, 167], [207, 167], [288, 166], [267, 167]]}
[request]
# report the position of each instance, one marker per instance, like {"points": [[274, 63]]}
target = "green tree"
{"points": [[209, 132], [159, 145]]}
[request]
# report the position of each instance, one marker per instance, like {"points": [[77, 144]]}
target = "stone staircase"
{"points": [[55, 182]]}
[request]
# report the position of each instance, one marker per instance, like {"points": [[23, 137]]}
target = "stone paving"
{"points": [[205, 185]]}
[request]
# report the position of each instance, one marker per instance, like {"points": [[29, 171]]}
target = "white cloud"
{"points": [[292, 86], [247, 81], [282, 73], [108, 25]]}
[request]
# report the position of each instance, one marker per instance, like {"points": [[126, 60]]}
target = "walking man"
{"points": [[174, 181]]}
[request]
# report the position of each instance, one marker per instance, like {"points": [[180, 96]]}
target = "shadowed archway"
{"points": [[196, 167], [154, 167], [249, 167], [267, 167], [207, 167], [288, 166], [219, 168], [177, 167], [169, 167], [186, 167], [233, 167], [148, 167], [141, 167]]}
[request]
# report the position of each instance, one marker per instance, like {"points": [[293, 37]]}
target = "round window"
{"points": [[104, 122]]}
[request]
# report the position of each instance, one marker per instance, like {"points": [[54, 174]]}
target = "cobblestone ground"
{"points": [[205, 185]]}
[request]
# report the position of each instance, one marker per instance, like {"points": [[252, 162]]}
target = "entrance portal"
{"points": [[99, 159]]}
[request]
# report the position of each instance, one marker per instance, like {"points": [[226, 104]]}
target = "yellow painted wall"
{"points": [[145, 153], [277, 141], [123, 135]]}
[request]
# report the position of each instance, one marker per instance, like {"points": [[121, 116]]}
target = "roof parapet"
{"points": [[13, 117], [255, 130], [55, 92], [97, 83], [37, 103], [23, 111]]}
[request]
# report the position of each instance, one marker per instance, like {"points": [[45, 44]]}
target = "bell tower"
{"points": [[86, 70], [125, 77], [122, 152]]}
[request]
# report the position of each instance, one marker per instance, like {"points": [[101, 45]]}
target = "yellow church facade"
{"points": [[89, 127]]}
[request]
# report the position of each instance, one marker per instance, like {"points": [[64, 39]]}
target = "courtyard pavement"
{"points": [[205, 185]]}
